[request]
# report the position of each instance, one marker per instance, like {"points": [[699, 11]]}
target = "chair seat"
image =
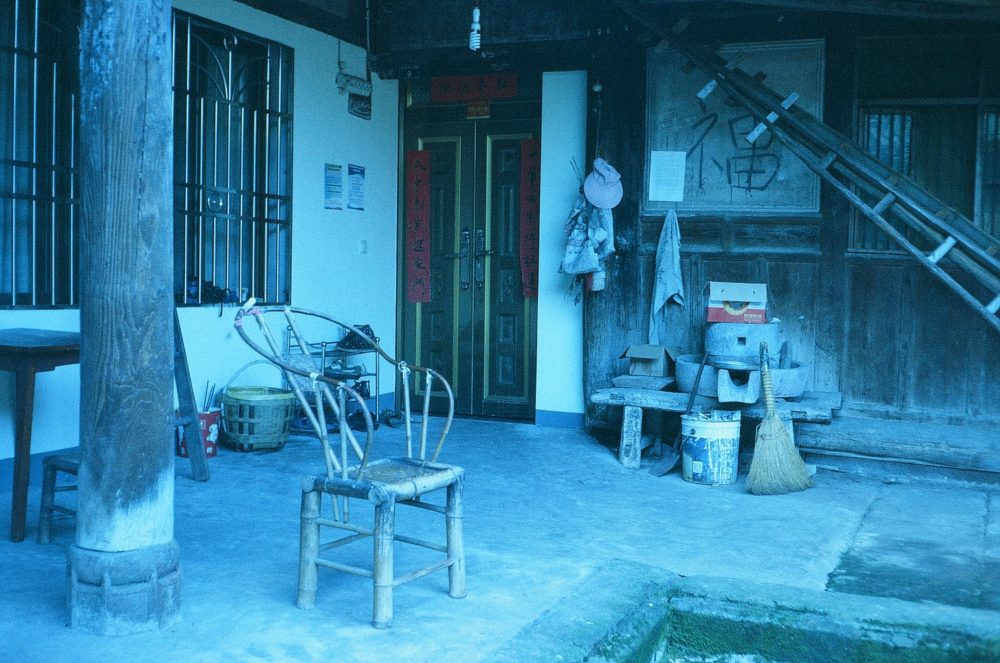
{"points": [[403, 477], [399, 474]]}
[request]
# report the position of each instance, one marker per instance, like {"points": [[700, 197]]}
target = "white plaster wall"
{"points": [[560, 320], [328, 273], [56, 420]]}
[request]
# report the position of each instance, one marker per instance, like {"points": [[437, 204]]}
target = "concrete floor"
{"points": [[545, 508]]}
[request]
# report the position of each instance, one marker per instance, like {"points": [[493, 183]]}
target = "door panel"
{"points": [[478, 329], [505, 346]]}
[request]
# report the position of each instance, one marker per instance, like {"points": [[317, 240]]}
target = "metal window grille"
{"points": [[888, 135], [232, 164], [39, 200]]}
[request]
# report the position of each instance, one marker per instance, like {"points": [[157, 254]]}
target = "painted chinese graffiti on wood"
{"points": [[723, 172]]}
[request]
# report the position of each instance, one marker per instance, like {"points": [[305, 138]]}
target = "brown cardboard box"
{"points": [[656, 360], [737, 302]]}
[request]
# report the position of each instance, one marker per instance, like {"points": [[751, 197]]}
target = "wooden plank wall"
{"points": [[878, 328]]}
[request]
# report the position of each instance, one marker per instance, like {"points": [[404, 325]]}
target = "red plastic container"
{"points": [[209, 424]]}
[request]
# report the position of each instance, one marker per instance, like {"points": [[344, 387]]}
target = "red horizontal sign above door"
{"points": [[446, 89]]}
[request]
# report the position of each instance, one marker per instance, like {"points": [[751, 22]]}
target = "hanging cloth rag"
{"points": [[668, 287]]}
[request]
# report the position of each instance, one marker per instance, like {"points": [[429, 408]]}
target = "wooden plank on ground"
{"points": [[188, 407], [813, 406]]}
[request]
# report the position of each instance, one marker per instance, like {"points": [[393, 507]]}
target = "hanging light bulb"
{"points": [[474, 37]]}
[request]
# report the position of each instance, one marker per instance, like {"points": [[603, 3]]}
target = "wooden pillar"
{"points": [[124, 567]]}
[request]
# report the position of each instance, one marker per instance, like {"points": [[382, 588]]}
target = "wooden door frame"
{"points": [[517, 111]]}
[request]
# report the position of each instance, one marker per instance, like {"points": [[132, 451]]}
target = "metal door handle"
{"points": [[480, 253], [463, 262]]}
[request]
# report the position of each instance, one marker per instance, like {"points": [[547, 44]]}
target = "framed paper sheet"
{"points": [[723, 172]]}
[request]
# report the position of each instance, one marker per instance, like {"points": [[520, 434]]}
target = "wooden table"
{"points": [[26, 352]]}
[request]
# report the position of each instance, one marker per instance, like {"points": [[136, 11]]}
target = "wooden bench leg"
{"points": [[308, 548], [382, 575], [630, 448], [453, 534]]}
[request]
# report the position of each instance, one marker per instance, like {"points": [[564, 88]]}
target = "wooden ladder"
{"points": [[926, 228]]}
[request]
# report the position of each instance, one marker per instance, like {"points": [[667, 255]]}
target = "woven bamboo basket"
{"points": [[256, 418]]}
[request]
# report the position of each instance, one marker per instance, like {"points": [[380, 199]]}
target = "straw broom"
{"points": [[777, 467]]}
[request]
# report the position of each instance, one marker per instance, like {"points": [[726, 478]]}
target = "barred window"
{"points": [[989, 187], [232, 164], [39, 199], [232, 159], [927, 109], [888, 135]]}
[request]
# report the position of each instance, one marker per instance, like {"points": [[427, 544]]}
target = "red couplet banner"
{"points": [[531, 169], [418, 229]]}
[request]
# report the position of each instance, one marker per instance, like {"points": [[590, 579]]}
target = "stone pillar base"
{"points": [[117, 593]]}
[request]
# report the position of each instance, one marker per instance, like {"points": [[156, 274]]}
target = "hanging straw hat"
{"points": [[603, 186]]}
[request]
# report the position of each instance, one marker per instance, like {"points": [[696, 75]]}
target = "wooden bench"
{"points": [[813, 407]]}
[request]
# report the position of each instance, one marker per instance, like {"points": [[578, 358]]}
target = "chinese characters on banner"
{"points": [[531, 166], [445, 89], [418, 230]]}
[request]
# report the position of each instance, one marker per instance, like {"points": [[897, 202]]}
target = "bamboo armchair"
{"points": [[384, 483]]}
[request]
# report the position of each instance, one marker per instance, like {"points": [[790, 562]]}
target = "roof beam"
{"points": [[958, 10]]}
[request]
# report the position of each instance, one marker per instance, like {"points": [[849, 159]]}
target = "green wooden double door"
{"points": [[479, 328]]}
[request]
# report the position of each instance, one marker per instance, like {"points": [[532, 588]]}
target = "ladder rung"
{"points": [[827, 160], [884, 204], [772, 117], [708, 89], [994, 306], [940, 251], [758, 130]]}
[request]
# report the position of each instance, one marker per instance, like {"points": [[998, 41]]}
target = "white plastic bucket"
{"points": [[710, 447]]}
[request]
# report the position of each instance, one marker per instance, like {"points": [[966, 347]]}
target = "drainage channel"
{"points": [[632, 612]]}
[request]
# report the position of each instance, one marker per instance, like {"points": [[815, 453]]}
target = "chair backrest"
{"points": [[316, 390]]}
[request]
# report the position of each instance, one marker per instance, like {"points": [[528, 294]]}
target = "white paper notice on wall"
{"points": [[355, 187], [666, 175], [333, 187]]}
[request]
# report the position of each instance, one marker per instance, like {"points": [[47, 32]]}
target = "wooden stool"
{"points": [[51, 465]]}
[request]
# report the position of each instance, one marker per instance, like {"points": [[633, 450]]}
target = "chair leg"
{"points": [[48, 498], [453, 534], [308, 547], [382, 573]]}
